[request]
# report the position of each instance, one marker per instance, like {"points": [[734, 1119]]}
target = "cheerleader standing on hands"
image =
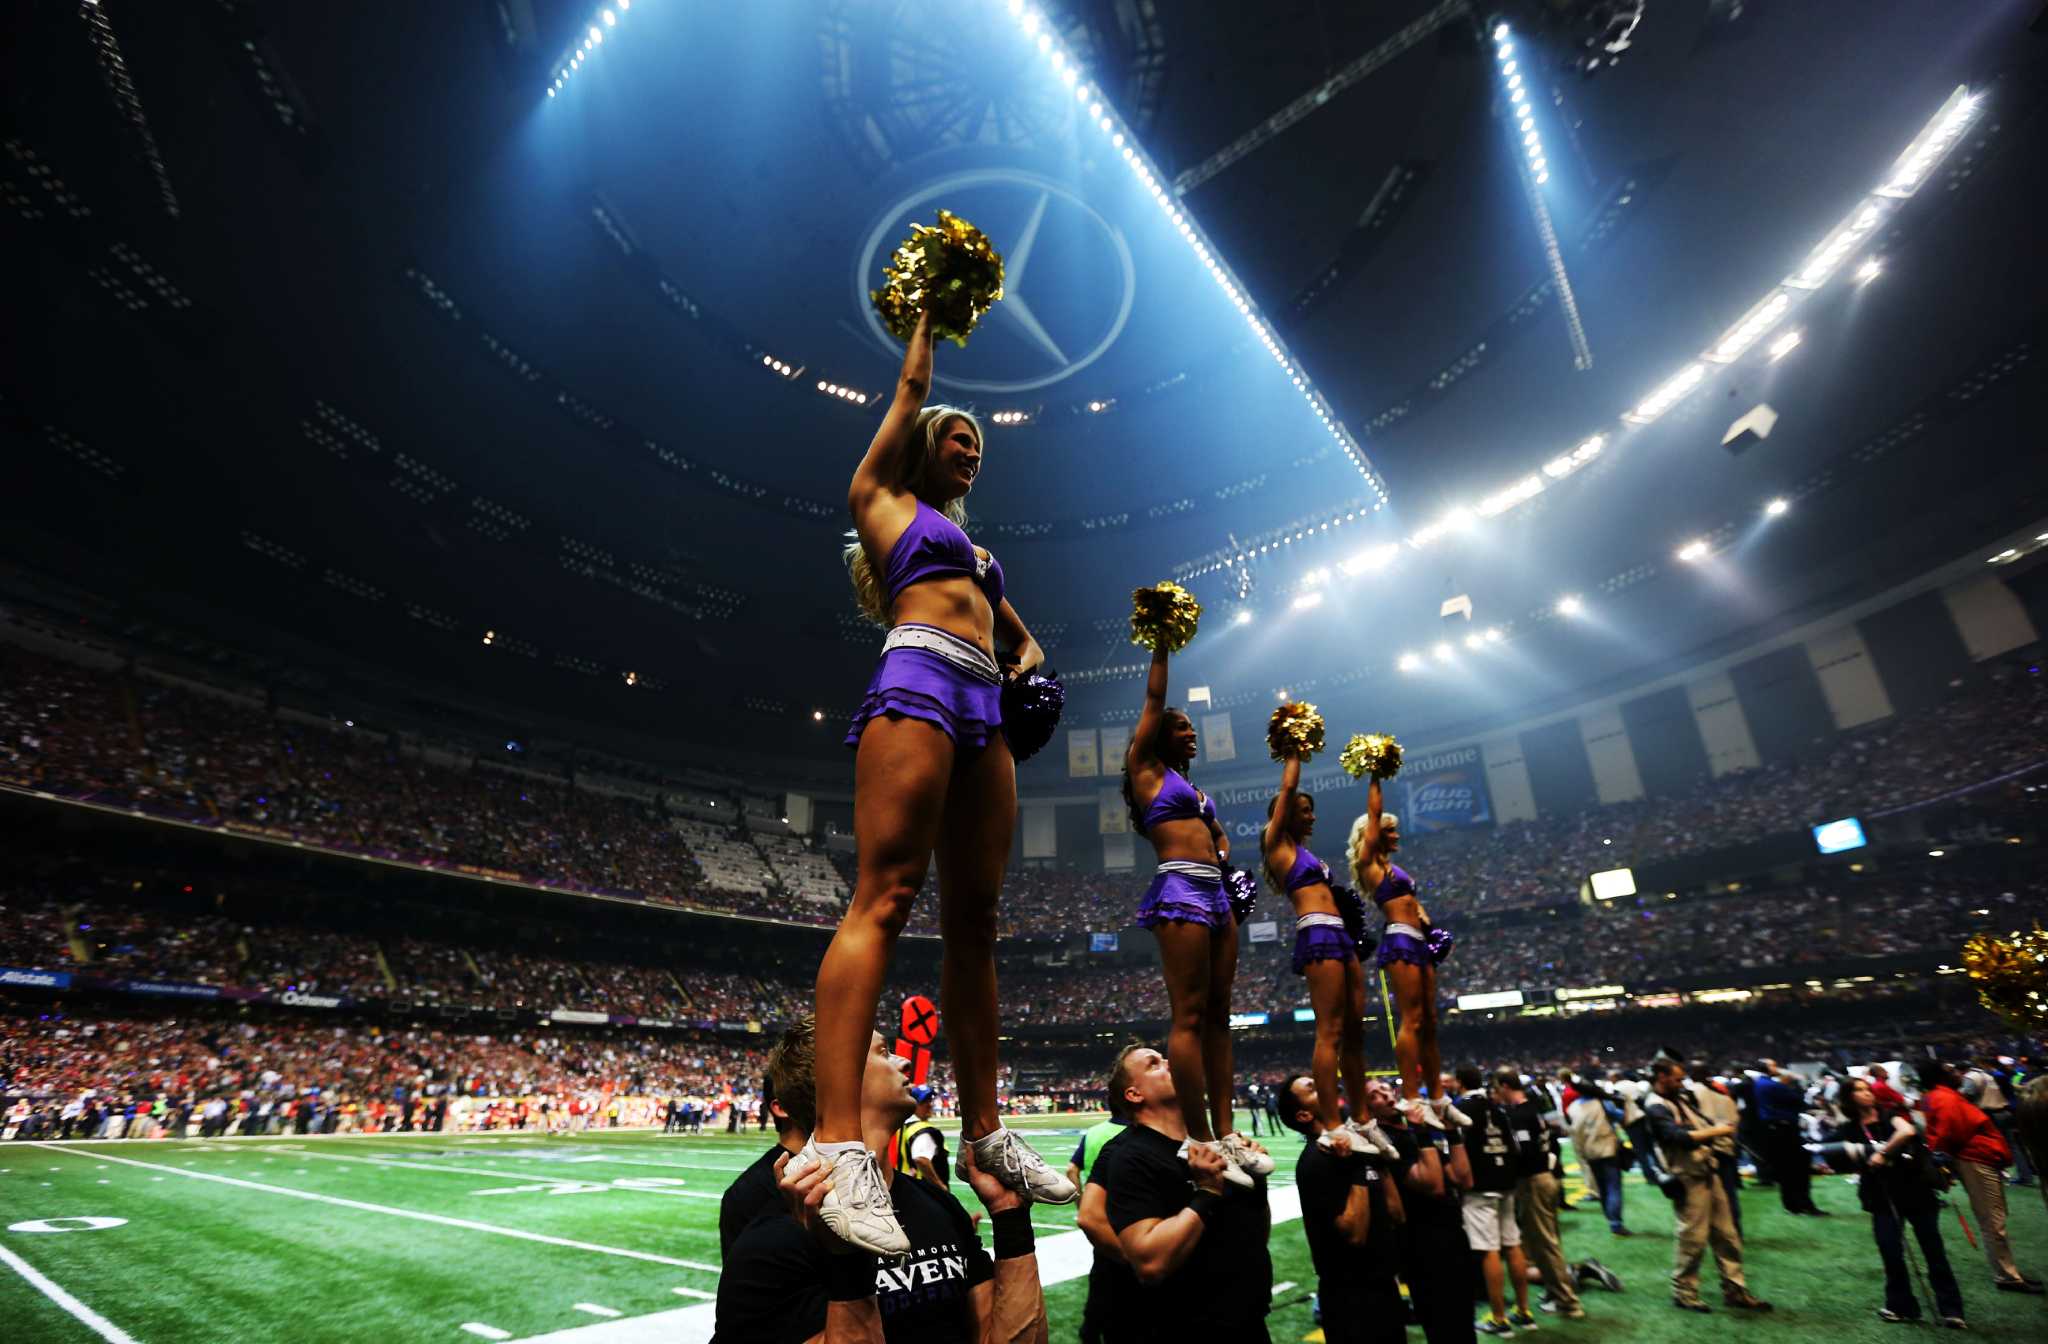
{"points": [[1188, 910], [1326, 956], [1409, 952], [932, 775]]}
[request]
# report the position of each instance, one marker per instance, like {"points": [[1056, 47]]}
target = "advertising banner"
{"points": [[1442, 791]]}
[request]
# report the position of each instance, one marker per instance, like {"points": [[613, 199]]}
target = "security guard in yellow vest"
{"points": [[919, 1148]]}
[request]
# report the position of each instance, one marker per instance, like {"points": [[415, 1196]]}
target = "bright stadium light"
{"points": [[1784, 345], [1672, 392], [1870, 269], [1410, 662], [1307, 600], [1045, 44], [1443, 652], [1473, 641], [1493, 634], [1243, 617], [1777, 508], [1936, 139], [1693, 552], [1569, 606]]}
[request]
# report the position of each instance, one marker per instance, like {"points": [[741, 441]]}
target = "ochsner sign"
{"points": [[299, 1000]]}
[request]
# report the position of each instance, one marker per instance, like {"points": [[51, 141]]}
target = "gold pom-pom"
{"points": [[1375, 754], [1164, 616], [949, 268], [2011, 975], [1295, 730]]}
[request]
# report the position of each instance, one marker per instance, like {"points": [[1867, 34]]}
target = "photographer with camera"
{"points": [[1896, 1184], [1691, 1180], [1959, 1131]]}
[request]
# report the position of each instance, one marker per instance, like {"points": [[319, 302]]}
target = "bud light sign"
{"points": [[1444, 790]]}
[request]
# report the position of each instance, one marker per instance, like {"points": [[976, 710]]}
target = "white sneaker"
{"points": [[1420, 1113], [1232, 1172], [856, 1206], [1340, 1141], [1010, 1160], [1375, 1139], [1244, 1155]]}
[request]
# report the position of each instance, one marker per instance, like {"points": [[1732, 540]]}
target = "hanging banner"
{"points": [[1241, 810], [1119, 855], [1443, 791], [1217, 743], [1115, 741], [1111, 816], [1081, 753]]}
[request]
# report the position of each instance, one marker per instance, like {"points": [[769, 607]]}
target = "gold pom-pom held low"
{"points": [[2011, 976], [1294, 730], [1375, 754], [1164, 616], [949, 269]]}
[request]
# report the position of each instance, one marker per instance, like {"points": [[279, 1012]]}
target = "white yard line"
{"points": [[85, 1315], [467, 1224], [556, 1178], [482, 1331], [1061, 1258]]}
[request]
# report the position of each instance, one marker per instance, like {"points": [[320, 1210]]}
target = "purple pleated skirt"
{"points": [[1178, 896], [1403, 947], [1321, 942], [918, 684]]}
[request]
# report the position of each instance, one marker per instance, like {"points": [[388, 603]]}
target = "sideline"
{"points": [[91, 1319], [416, 1215]]}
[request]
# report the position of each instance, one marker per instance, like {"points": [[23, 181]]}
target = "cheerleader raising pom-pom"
{"points": [[950, 270], [1295, 730], [1374, 754], [1164, 617]]}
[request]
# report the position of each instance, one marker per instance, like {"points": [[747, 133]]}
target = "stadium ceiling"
{"points": [[385, 328]]}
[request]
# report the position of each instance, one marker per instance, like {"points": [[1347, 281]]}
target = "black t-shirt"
{"points": [[1325, 1182], [1534, 1140], [772, 1290], [751, 1194], [1426, 1211], [1226, 1282], [1490, 1145]]}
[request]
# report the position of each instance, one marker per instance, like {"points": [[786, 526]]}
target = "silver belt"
{"points": [[952, 648], [1317, 920], [1207, 872], [1404, 930]]}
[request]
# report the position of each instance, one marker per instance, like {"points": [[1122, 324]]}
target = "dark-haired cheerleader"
{"points": [[932, 774], [1188, 909]]}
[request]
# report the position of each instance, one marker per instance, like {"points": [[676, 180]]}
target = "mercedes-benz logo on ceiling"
{"points": [[1068, 279]]}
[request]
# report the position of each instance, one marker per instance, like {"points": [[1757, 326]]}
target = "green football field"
{"points": [[611, 1238]]}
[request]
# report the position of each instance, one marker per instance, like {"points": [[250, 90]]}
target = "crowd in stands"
{"points": [[204, 1053], [125, 738]]}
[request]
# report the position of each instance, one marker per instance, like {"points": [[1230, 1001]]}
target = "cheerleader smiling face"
{"points": [[1303, 822], [953, 459], [1177, 741]]}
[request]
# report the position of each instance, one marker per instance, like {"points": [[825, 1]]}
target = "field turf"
{"points": [[611, 1238]]}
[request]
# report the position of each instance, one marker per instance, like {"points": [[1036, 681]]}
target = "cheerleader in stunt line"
{"points": [[932, 775], [1409, 952], [1189, 911], [1326, 955]]}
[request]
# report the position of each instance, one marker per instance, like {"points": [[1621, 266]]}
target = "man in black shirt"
{"points": [[1538, 1192], [786, 1279], [1197, 1255], [1489, 1206], [1351, 1214], [1435, 1260], [753, 1192]]}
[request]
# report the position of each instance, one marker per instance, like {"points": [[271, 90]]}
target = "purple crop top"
{"points": [[1395, 883], [1307, 870], [934, 547], [1177, 800]]}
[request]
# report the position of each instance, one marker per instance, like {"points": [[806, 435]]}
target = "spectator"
{"points": [[1963, 1133], [1491, 1228], [1896, 1189], [1684, 1142], [1538, 1193]]}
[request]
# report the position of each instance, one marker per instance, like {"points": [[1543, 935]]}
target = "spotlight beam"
{"points": [[1533, 175]]}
